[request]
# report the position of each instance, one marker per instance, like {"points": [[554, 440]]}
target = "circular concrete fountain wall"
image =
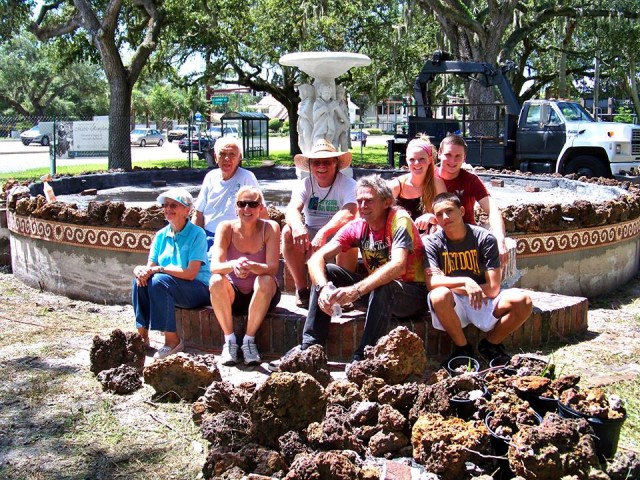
{"points": [[96, 262]]}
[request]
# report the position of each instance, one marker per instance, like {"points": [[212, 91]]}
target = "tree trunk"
{"points": [[294, 148], [119, 117], [633, 88]]}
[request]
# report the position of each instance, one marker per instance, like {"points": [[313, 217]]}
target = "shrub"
{"points": [[374, 131], [274, 124], [285, 127], [623, 115]]}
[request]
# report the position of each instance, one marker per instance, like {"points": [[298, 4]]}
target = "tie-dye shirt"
{"points": [[376, 245]]}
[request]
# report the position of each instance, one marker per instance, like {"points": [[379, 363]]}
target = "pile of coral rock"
{"points": [[390, 418]]}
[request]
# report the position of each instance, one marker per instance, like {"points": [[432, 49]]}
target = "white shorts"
{"points": [[482, 318]]}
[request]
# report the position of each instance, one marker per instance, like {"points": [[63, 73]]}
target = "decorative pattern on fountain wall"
{"points": [[548, 243], [104, 238], [140, 240]]}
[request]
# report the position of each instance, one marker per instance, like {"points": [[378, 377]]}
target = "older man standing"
{"points": [[392, 253], [327, 200], [217, 198]]}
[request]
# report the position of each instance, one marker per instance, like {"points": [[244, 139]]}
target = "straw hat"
{"points": [[322, 149]]}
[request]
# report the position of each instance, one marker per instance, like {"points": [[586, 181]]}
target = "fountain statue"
{"points": [[323, 112]]}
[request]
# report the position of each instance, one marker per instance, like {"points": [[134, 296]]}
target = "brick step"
{"points": [[554, 318]]}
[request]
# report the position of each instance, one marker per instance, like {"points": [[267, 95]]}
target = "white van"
{"points": [[229, 131]]}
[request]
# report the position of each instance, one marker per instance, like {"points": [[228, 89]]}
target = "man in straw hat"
{"points": [[328, 201], [392, 253]]}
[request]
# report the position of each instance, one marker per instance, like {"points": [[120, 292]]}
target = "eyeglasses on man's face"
{"points": [[248, 203], [323, 163]]}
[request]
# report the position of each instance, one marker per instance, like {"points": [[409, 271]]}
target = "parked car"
{"points": [[146, 136], [229, 131], [198, 145], [181, 131], [33, 135]]}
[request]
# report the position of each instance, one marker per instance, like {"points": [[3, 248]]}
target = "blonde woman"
{"points": [[244, 261], [415, 191]]}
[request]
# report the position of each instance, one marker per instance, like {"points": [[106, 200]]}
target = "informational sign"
{"points": [[198, 117], [79, 139]]}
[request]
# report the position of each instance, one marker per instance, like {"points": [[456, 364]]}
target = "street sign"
{"points": [[219, 100], [198, 117]]}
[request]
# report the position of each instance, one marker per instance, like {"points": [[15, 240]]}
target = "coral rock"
{"points": [[556, 448], [122, 379], [445, 446], [343, 392], [119, 349], [324, 465], [285, 401], [219, 397], [312, 361], [182, 376], [403, 354], [227, 429], [386, 442]]}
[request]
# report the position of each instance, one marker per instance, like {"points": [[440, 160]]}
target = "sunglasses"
{"points": [[248, 203], [322, 163]]}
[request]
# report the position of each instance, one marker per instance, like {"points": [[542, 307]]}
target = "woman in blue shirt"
{"points": [[176, 274]]}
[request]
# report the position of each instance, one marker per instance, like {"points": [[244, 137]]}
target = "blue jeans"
{"points": [[399, 299], [155, 304]]}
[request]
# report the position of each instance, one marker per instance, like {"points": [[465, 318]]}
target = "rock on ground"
{"points": [[123, 379], [555, 448], [119, 349], [182, 376], [285, 401], [446, 446]]}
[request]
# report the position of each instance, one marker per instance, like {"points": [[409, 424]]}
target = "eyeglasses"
{"points": [[248, 203], [322, 163], [171, 206]]}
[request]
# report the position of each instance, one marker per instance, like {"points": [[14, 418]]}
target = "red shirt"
{"points": [[469, 189]]}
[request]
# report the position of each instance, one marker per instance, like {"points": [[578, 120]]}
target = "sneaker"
{"points": [[466, 351], [302, 298], [251, 354], [166, 351], [491, 351], [229, 355]]}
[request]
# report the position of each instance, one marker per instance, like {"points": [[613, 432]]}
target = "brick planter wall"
{"points": [[554, 317]]}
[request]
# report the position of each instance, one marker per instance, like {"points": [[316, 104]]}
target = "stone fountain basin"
{"points": [[95, 262]]}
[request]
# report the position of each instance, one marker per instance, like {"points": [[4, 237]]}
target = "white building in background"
{"points": [[274, 109]]}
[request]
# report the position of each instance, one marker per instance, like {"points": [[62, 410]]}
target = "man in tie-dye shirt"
{"points": [[392, 252]]}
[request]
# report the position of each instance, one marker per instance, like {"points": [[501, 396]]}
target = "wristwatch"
{"points": [[318, 288]]}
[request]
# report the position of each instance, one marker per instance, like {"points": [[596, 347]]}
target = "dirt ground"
{"points": [[55, 421]]}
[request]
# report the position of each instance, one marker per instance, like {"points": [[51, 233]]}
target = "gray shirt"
{"points": [[470, 257]]}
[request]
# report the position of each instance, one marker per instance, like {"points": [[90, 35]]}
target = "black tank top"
{"points": [[411, 205]]}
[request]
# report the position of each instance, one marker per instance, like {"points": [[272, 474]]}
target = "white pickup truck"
{"points": [[181, 131]]}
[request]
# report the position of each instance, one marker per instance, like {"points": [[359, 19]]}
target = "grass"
{"points": [[374, 155]]}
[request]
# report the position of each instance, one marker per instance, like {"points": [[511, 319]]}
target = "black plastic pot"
{"points": [[607, 431], [465, 408], [500, 447], [499, 361], [471, 365]]}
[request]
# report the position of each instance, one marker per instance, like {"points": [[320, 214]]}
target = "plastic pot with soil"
{"points": [[463, 393], [605, 415], [461, 365], [501, 433]]}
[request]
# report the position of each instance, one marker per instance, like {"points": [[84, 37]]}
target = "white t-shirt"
{"points": [[217, 197], [324, 202]]}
